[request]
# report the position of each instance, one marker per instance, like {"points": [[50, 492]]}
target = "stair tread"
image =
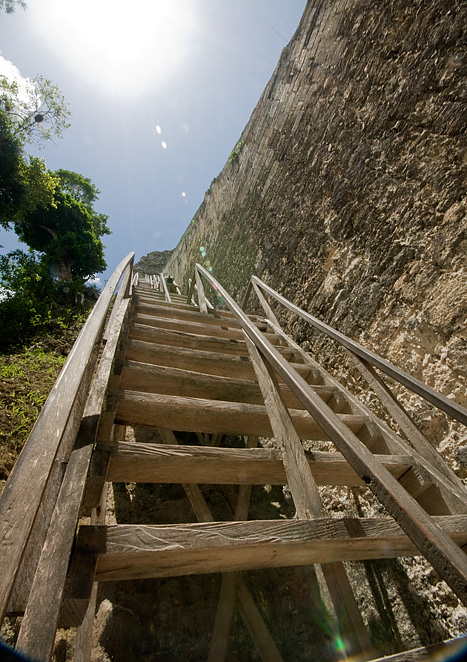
{"points": [[214, 416], [161, 463], [138, 551]]}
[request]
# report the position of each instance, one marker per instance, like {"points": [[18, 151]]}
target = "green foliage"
{"points": [[80, 188], [12, 185], [68, 233], [32, 302], [236, 151], [25, 380], [10, 5], [36, 109], [40, 182], [25, 182]]}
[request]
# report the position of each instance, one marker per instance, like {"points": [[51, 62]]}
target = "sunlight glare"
{"points": [[121, 48]]}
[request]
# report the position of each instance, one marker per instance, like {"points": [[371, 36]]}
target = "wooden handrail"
{"points": [[55, 427], [165, 288], [453, 409], [439, 549]]}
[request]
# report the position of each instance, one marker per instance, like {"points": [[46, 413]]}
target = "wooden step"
{"points": [[198, 327], [150, 300], [149, 378], [214, 363], [192, 314], [213, 416], [192, 340], [144, 551], [132, 462]]}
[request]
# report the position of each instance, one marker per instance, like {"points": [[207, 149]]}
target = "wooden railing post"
{"points": [[32, 470]]}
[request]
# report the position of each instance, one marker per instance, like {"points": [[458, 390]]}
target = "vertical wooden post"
{"points": [[308, 503]]}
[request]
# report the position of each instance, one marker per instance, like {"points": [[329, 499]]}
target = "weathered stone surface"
{"points": [[349, 198], [349, 193], [153, 263]]}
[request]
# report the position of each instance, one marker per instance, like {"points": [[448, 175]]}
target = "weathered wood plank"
{"points": [[37, 633], [190, 340], [154, 463], [198, 415], [160, 310], [214, 363], [136, 376], [308, 503], [201, 295], [137, 551], [250, 613], [148, 299], [452, 649], [17, 514], [198, 326]]}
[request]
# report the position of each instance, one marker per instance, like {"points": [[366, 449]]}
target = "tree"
{"points": [[12, 184], [10, 5], [35, 107], [32, 303], [67, 232], [29, 298], [25, 182]]}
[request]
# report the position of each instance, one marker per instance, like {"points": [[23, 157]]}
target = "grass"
{"points": [[26, 378]]}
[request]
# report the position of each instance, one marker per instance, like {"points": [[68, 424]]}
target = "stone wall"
{"points": [[348, 195]]}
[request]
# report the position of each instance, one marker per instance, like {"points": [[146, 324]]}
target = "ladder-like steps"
{"points": [[192, 340], [145, 551], [213, 416], [214, 318], [175, 381], [218, 330], [216, 363], [133, 462]]}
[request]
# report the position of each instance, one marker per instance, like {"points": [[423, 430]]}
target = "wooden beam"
{"points": [[39, 624], [199, 326], [201, 295], [139, 551], [191, 340], [198, 415], [136, 376], [189, 315], [60, 415], [148, 299], [213, 363], [154, 463], [307, 500], [453, 649]]}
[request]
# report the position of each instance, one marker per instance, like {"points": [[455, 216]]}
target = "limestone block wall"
{"points": [[348, 195]]}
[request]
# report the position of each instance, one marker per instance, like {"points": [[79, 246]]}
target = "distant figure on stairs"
{"points": [[171, 285]]}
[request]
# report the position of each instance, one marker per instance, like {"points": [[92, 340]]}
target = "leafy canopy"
{"points": [[36, 109], [10, 5], [68, 230], [25, 182]]}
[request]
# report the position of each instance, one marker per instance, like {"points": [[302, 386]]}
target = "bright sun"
{"points": [[123, 47]]}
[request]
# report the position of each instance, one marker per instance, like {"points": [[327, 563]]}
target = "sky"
{"points": [[160, 92]]}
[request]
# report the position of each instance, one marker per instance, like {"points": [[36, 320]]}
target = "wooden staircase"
{"points": [[182, 367]]}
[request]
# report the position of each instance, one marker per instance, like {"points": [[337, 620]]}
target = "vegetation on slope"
{"points": [[26, 377]]}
